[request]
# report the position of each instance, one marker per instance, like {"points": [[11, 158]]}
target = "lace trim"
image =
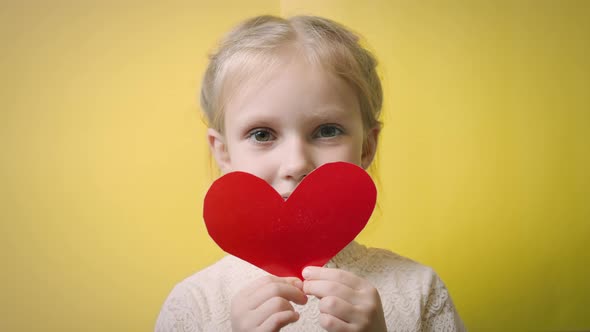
{"points": [[413, 296]]}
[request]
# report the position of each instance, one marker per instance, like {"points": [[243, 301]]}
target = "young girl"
{"points": [[282, 98]]}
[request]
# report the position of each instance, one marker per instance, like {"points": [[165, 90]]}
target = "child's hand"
{"points": [[347, 302], [263, 305]]}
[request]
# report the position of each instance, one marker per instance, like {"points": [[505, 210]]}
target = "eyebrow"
{"points": [[329, 112]]}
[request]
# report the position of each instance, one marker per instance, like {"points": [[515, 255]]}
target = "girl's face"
{"points": [[302, 118]]}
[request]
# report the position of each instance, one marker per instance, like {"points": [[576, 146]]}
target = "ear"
{"points": [[370, 147], [218, 148]]}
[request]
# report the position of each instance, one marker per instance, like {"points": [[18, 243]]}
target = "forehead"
{"points": [[246, 70], [292, 87]]}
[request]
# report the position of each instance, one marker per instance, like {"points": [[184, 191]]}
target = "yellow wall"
{"points": [[483, 164]]}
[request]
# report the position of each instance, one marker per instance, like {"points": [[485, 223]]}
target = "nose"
{"points": [[297, 160]]}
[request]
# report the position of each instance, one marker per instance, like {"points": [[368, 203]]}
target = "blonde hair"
{"points": [[251, 49]]}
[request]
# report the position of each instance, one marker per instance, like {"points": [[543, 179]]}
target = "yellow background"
{"points": [[483, 164]]}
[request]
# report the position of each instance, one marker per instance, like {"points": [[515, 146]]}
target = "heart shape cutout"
{"points": [[247, 218]]}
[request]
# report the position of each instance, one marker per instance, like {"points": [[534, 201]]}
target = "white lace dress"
{"points": [[413, 296]]}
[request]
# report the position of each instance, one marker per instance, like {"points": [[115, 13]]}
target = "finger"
{"points": [[332, 324], [276, 289], [339, 308], [270, 307], [253, 287], [323, 273], [279, 320], [323, 288]]}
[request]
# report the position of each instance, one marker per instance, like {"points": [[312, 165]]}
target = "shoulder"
{"points": [[385, 266], [400, 275]]}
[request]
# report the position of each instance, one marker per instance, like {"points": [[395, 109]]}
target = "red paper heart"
{"points": [[247, 218]]}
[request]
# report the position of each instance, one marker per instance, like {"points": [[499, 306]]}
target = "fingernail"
{"points": [[306, 273]]}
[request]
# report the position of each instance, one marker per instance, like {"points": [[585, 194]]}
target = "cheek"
{"points": [[351, 153], [244, 160], [356, 152]]}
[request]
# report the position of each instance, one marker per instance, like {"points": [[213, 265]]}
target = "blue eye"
{"points": [[328, 131], [261, 135]]}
